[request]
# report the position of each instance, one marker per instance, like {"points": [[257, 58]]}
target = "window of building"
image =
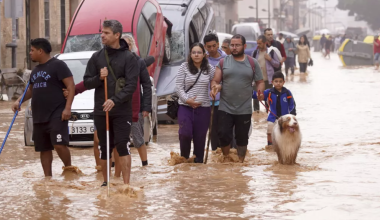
{"points": [[47, 18], [143, 38], [17, 29], [63, 20]]}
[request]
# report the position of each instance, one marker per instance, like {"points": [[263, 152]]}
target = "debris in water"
{"points": [[28, 174], [73, 169], [175, 159]]}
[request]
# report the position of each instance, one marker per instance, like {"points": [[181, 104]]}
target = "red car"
{"points": [[141, 18]]}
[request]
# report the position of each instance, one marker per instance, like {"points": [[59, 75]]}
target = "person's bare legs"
{"points": [[63, 153], [117, 163], [46, 161], [377, 66], [143, 153], [96, 149], [103, 163], [126, 162], [226, 150]]}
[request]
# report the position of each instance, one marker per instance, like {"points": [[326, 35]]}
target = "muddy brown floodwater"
{"points": [[338, 177]]}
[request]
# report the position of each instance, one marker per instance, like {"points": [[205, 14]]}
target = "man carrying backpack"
{"points": [[268, 61], [238, 72]]}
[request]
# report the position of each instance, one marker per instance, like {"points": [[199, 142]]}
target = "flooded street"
{"points": [[338, 176]]}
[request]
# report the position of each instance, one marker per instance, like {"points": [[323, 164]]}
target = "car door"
{"points": [[148, 35]]}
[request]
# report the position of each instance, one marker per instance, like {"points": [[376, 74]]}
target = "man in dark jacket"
{"points": [[122, 64]]}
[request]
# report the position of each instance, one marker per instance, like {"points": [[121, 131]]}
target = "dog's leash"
{"points": [[267, 107]]}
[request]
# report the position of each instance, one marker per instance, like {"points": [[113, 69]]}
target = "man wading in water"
{"points": [[51, 111], [122, 64], [238, 72]]}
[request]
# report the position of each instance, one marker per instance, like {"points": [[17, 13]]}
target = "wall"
{"points": [[37, 29]]}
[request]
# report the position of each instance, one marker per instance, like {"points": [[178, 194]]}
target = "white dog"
{"points": [[286, 138]]}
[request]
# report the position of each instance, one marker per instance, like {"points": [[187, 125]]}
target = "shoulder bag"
{"points": [[119, 83], [173, 105]]}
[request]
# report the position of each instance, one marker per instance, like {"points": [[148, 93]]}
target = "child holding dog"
{"points": [[280, 100]]}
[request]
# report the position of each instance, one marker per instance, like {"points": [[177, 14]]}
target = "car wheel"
{"points": [[167, 52]]}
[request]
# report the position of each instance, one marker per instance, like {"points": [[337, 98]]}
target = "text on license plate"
{"points": [[81, 129]]}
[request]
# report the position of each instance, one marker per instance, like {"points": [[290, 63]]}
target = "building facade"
{"points": [[41, 18], [226, 14]]}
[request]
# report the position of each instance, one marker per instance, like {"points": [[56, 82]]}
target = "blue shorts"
{"points": [[377, 56]]}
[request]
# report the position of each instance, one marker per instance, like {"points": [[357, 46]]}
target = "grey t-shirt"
{"points": [[237, 89]]}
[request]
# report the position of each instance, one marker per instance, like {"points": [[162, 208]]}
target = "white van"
{"points": [[223, 36], [251, 31]]}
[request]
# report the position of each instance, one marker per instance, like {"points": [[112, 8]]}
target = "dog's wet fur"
{"points": [[286, 138]]}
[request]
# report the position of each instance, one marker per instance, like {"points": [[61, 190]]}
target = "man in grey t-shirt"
{"points": [[235, 108]]}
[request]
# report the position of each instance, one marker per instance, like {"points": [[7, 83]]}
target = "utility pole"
{"points": [[257, 10], [13, 9], [296, 14], [269, 13], [325, 14]]}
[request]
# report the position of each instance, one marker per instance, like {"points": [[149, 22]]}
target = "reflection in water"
{"points": [[338, 175]]}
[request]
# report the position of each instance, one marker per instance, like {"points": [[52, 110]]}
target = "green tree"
{"points": [[366, 10]]}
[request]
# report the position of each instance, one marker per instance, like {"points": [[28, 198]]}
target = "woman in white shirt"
{"points": [[194, 111]]}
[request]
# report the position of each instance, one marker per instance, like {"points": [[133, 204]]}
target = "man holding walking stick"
{"points": [[51, 111], [116, 63]]}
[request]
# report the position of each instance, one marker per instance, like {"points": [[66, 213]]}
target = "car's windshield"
{"points": [[177, 41], [89, 42], [77, 68]]}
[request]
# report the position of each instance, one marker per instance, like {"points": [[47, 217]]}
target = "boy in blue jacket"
{"points": [[280, 100]]}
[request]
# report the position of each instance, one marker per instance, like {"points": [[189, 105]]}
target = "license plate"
{"points": [[81, 129]]}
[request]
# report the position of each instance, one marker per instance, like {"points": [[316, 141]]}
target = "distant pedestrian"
{"points": [[238, 72], [50, 110], [290, 49], [280, 38], [337, 42], [303, 55], [226, 46], [322, 42], [192, 86], [376, 44], [343, 39], [328, 46], [214, 56]]}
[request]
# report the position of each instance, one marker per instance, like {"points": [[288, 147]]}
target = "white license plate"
{"points": [[78, 129]]}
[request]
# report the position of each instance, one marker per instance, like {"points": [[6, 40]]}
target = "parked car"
{"points": [[142, 19], [82, 129], [192, 20], [251, 31], [251, 46]]}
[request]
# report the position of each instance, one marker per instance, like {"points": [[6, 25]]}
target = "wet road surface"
{"points": [[338, 176]]}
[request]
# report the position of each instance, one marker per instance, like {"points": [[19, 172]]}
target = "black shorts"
{"points": [[227, 122], [54, 132], [120, 129]]}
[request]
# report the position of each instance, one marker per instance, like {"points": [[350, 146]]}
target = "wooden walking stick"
{"points": [[108, 139]]}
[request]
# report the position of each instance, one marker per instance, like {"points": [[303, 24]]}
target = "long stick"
{"points": [[108, 139], [14, 117], [209, 130]]}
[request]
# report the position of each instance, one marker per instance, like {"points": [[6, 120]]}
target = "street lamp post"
{"points": [[257, 10]]}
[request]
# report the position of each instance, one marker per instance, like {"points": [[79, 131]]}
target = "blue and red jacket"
{"points": [[279, 103]]}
